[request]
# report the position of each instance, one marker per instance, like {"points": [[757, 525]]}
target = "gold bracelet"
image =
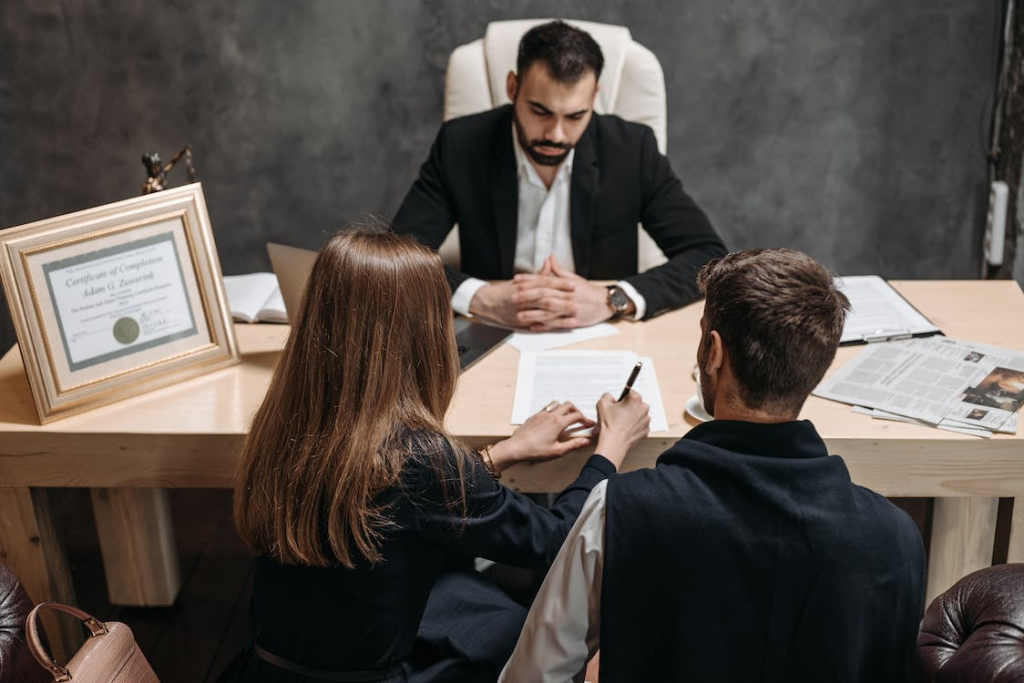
{"points": [[485, 455]]}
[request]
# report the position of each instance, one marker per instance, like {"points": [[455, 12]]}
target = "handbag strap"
{"points": [[35, 642]]}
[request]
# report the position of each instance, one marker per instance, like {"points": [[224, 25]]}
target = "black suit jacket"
{"points": [[619, 179]]}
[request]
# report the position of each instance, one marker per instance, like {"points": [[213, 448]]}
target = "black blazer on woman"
{"points": [[619, 179], [366, 618]]}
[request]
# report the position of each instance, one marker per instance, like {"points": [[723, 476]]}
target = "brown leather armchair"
{"points": [[975, 630], [16, 662]]}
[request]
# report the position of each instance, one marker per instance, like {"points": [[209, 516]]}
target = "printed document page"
{"points": [[877, 311], [539, 341], [582, 377]]}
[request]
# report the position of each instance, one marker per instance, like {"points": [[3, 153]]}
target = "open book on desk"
{"points": [[879, 313], [255, 298]]}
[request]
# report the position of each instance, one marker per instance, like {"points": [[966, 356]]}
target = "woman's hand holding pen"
{"points": [[621, 425], [543, 436]]}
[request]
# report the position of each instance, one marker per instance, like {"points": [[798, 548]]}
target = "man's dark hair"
{"points": [[567, 52], [780, 317]]}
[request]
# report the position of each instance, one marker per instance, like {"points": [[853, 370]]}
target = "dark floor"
{"points": [[192, 641]]}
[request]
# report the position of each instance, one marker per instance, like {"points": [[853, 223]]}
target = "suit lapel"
{"points": [[505, 195], [581, 197]]}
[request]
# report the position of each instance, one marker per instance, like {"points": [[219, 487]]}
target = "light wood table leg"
{"points": [[137, 541], [31, 549], [1015, 552], [963, 535]]}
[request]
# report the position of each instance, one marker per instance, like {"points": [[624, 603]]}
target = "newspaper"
{"points": [[934, 380], [1008, 427]]}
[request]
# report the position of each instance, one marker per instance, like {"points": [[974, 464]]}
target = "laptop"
{"points": [[293, 265]]}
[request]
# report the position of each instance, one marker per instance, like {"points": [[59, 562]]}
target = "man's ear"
{"points": [[716, 353], [511, 83]]}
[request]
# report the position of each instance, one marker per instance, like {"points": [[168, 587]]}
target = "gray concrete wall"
{"points": [[852, 129]]}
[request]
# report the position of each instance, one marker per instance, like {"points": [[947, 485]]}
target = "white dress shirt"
{"points": [[563, 629], [543, 228]]}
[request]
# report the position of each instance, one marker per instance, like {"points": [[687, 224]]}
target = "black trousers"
{"points": [[469, 629], [468, 632]]}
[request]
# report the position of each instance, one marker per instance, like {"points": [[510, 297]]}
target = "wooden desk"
{"points": [[189, 435]]}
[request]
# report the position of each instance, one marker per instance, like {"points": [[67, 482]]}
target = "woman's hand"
{"points": [[543, 436], [621, 425]]}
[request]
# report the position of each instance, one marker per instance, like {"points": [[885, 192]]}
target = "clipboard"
{"points": [[879, 313]]}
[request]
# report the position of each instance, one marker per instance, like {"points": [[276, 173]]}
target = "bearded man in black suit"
{"points": [[547, 195]]}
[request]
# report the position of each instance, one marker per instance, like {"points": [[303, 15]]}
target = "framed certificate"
{"points": [[117, 300]]}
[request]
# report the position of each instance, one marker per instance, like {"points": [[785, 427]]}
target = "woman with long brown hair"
{"points": [[356, 500]]}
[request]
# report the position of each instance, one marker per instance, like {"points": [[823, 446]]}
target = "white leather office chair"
{"points": [[632, 87]]}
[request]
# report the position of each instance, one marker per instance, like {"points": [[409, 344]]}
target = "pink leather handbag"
{"points": [[109, 655]]}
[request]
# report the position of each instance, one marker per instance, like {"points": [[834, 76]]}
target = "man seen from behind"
{"points": [[746, 554]]}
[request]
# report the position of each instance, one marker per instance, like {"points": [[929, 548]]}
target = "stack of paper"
{"points": [[878, 312], [582, 377], [960, 386]]}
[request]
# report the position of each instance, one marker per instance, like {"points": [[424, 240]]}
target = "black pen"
{"points": [[632, 378]]}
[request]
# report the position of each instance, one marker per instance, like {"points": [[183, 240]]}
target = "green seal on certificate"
{"points": [[126, 330]]}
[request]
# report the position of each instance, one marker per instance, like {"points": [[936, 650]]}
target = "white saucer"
{"points": [[694, 408]]}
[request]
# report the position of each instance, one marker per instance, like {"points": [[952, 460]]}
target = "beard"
{"points": [[530, 147], [707, 393]]}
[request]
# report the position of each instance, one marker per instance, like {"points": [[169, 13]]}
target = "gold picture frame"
{"points": [[117, 300]]}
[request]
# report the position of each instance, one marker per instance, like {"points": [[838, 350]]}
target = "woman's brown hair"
{"points": [[370, 359]]}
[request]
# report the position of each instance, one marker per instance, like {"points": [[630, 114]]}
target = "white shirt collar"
{"points": [[526, 171]]}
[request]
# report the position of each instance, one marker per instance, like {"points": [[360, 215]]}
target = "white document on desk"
{"points": [[582, 377], [877, 311], [540, 341]]}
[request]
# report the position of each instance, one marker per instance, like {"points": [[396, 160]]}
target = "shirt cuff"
{"points": [[634, 296], [464, 294]]}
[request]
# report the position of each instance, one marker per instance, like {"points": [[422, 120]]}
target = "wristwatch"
{"points": [[618, 300]]}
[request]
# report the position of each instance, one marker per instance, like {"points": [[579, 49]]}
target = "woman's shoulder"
{"points": [[425, 447], [433, 454], [438, 467]]}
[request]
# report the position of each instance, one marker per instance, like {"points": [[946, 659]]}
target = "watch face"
{"points": [[618, 299]]}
